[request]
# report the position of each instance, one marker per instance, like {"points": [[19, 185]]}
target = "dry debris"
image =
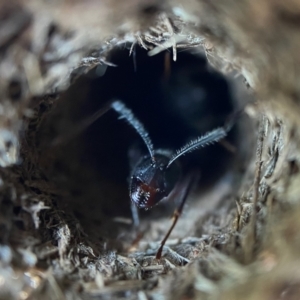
{"points": [[246, 246]]}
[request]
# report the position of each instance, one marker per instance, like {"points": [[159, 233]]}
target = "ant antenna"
{"points": [[207, 139], [126, 113]]}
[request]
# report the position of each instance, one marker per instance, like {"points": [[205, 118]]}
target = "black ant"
{"points": [[159, 174]]}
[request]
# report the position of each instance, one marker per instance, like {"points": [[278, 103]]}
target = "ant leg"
{"points": [[135, 215], [187, 185], [124, 113], [79, 128], [228, 146]]}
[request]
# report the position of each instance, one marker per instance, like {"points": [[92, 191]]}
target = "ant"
{"points": [[159, 174]]}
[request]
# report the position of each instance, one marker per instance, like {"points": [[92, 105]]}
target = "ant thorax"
{"points": [[152, 179]]}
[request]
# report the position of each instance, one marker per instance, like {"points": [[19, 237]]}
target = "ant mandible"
{"points": [[158, 175]]}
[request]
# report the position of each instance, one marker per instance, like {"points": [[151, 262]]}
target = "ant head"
{"points": [[156, 175], [151, 181]]}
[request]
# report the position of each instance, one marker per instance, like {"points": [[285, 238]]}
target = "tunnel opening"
{"points": [[175, 101]]}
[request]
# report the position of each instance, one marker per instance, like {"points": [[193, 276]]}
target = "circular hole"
{"points": [[175, 101]]}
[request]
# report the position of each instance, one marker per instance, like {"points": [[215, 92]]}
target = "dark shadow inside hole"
{"points": [[176, 101]]}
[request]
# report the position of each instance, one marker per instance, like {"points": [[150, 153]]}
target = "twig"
{"points": [[252, 226]]}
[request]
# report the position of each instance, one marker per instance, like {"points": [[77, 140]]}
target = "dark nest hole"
{"points": [[176, 101]]}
